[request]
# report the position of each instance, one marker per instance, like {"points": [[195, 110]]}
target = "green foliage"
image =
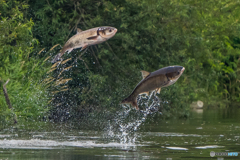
{"points": [[26, 93], [202, 36]]}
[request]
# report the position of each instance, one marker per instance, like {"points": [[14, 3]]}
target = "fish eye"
{"points": [[110, 30]]}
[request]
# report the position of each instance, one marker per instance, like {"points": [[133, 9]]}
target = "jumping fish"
{"points": [[83, 39], [154, 81]]}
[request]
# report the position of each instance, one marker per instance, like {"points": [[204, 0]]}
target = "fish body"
{"points": [[83, 39], [154, 81]]}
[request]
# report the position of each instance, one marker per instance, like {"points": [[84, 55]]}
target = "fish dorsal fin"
{"points": [[144, 74], [78, 30]]}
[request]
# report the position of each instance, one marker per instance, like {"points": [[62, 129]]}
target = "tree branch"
{"points": [[8, 100]]}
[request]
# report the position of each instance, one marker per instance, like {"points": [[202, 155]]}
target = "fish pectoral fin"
{"points": [[69, 50], [158, 90], [144, 74], [84, 46], [78, 30], [92, 38], [146, 93]]}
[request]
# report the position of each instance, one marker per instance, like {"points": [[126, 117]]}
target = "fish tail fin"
{"points": [[56, 58], [131, 100]]}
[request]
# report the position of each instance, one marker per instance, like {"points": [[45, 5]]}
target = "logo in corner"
{"points": [[212, 153]]}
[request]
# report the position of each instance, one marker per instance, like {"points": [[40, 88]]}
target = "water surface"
{"points": [[193, 138]]}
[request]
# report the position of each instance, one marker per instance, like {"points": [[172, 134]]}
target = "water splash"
{"points": [[127, 121]]}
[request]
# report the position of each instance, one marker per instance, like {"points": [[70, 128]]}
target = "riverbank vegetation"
{"points": [[202, 36]]}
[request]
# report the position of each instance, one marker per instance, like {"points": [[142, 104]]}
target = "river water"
{"points": [[204, 131]]}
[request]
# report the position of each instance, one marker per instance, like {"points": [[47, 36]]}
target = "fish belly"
{"points": [[78, 46]]}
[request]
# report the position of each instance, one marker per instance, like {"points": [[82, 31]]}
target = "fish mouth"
{"points": [[182, 70]]}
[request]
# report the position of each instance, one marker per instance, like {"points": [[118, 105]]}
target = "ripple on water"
{"points": [[50, 144], [172, 134], [5, 136], [207, 147], [177, 148]]}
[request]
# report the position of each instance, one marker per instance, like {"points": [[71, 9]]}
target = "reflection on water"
{"points": [[132, 135]]}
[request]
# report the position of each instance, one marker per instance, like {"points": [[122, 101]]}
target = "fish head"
{"points": [[107, 32], [174, 73]]}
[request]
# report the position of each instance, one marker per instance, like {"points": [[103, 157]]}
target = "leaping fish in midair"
{"points": [[154, 81], [83, 39]]}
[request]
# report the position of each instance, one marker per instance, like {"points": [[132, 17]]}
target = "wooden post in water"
{"points": [[8, 100]]}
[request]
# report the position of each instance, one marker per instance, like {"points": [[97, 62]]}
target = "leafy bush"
{"points": [[19, 64]]}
